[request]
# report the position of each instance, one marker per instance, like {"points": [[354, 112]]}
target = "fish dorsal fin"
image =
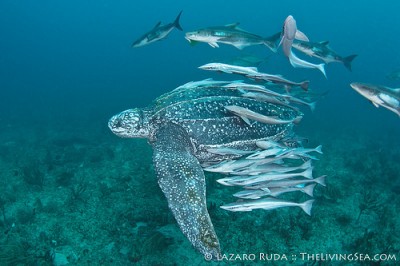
{"points": [[158, 24], [253, 68], [325, 43], [301, 36], [232, 25]]}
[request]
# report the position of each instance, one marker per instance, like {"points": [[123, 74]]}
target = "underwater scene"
{"points": [[199, 132]]}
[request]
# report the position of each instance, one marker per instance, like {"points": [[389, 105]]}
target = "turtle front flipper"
{"points": [[182, 180]]}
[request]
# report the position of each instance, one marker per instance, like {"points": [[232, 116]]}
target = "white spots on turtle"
{"points": [[274, 112]]}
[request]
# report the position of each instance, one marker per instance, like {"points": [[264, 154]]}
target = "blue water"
{"points": [[78, 55], [67, 66]]}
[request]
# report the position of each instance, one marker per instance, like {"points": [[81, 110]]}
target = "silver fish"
{"points": [[202, 83], [230, 34], [301, 150], [158, 33], [266, 144], [293, 153], [322, 51], [247, 114], [274, 192], [380, 96], [278, 79], [290, 32], [258, 169], [230, 69], [273, 168], [252, 72], [251, 194], [288, 183], [309, 190], [267, 204], [270, 99], [273, 151], [275, 159], [254, 88], [229, 166], [228, 151], [249, 180], [234, 166]]}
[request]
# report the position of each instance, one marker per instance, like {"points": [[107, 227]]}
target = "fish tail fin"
{"points": [[321, 67], [304, 85], [306, 165], [319, 149], [308, 173], [176, 22], [321, 180], [309, 190], [297, 62], [347, 61], [297, 119], [271, 41], [307, 206], [312, 106]]}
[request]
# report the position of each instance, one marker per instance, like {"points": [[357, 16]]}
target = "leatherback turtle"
{"points": [[185, 127]]}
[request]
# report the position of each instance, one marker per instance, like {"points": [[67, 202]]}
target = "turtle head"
{"points": [[129, 124]]}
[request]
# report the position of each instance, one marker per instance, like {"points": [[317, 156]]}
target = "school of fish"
{"points": [[271, 169]]}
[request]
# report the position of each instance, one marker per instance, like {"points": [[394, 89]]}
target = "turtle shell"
{"points": [[201, 112]]}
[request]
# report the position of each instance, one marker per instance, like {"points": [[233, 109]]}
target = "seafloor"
{"points": [[90, 198]]}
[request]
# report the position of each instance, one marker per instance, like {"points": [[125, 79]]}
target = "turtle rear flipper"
{"points": [[182, 180]]}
